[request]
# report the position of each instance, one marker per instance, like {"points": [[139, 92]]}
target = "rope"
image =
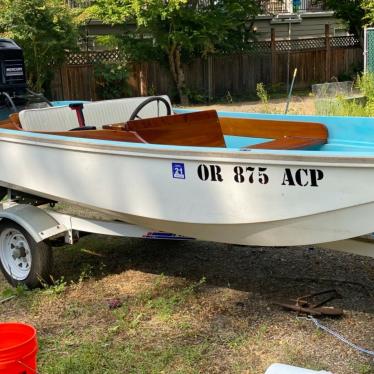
{"points": [[340, 337]]}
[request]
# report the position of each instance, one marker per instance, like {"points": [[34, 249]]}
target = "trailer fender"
{"points": [[37, 222]]}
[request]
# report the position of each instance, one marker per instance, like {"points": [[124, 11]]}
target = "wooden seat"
{"points": [[190, 129], [289, 142], [283, 134]]}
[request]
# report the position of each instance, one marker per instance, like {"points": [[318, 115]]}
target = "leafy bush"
{"points": [[45, 29], [111, 80], [340, 106], [196, 97], [362, 106], [263, 96]]}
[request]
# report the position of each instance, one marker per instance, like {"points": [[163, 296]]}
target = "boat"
{"points": [[241, 178]]}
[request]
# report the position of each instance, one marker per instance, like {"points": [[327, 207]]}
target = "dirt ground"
{"points": [[230, 319], [298, 105]]}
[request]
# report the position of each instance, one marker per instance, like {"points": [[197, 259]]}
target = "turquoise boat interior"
{"points": [[342, 134], [345, 134]]}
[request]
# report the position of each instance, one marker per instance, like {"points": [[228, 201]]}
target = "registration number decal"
{"points": [[302, 177]]}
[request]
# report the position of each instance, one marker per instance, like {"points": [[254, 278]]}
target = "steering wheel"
{"points": [[135, 113]]}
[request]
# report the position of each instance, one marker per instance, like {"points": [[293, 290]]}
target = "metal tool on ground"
{"points": [[312, 305]]}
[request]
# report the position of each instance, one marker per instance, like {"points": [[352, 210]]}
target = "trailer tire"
{"points": [[22, 259]]}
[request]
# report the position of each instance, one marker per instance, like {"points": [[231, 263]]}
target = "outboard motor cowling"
{"points": [[12, 68], [14, 94]]}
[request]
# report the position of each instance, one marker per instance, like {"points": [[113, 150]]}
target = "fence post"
{"points": [[365, 50], [210, 78], [328, 53], [273, 56], [142, 80]]}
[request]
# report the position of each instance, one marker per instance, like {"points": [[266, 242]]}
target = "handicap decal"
{"points": [[178, 170]]}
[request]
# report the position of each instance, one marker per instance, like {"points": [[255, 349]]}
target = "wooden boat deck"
{"points": [[203, 128]]}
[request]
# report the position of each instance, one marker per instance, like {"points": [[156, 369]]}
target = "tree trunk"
{"points": [[177, 72], [360, 34]]}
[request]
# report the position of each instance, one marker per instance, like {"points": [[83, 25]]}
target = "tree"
{"points": [[368, 6], [350, 11], [44, 29], [181, 28]]}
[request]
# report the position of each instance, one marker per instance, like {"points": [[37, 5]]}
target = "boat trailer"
{"points": [[29, 228]]}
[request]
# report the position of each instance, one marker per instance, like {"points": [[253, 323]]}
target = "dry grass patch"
{"points": [[192, 307]]}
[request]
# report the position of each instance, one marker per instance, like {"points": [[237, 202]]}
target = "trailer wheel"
{"points": [[22, 259]]}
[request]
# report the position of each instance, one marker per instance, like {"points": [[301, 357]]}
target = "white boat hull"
{"points": [[254, 198]]}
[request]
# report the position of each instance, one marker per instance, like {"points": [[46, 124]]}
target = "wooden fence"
{"points": [[271, 62]]}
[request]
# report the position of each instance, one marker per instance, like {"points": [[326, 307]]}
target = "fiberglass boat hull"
{"points": [[253, 198]]}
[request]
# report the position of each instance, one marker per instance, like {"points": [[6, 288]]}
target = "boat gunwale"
{"points": [[182, 152]]}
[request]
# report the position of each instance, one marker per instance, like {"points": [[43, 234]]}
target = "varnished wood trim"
{"points": [[289, 142], [271, 129], [201, 129], [11, 123], [115, 126], [188, 129], [113, 135]]}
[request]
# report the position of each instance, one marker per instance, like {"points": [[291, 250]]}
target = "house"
{"points": [[289, 19], [297, 19]]}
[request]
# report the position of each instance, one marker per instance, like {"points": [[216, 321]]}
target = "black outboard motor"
{"points": [[12, 67], [13, 86]]}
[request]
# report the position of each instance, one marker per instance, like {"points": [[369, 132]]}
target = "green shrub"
{"points": [[340, 106], [362, 106], [263, 96], [112, 80]]}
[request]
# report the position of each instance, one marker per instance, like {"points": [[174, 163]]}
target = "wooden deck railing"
{"points": [[275, 7]]}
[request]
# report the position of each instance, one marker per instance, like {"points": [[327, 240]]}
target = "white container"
{"points": [[287, 369]]}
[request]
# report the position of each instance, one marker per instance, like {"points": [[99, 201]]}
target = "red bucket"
{"points": [[18, 348]]}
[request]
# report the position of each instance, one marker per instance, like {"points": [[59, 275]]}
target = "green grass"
{"points": [[339, 106], [299, 356], [165, 305], [166, 324], [127, 344], [353, 107], [361, 368], [123, 356]]}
